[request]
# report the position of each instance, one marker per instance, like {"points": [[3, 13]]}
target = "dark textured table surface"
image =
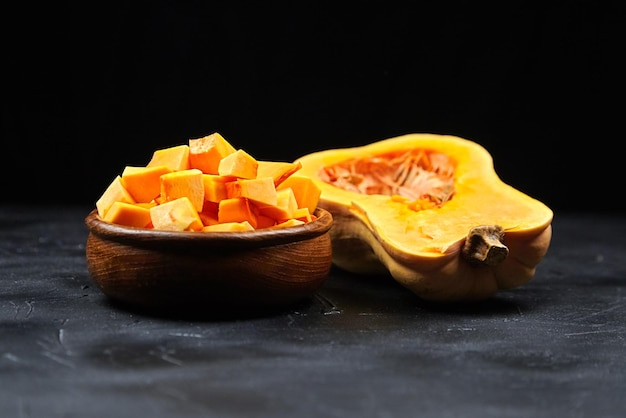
{"points": [[555, 347]]}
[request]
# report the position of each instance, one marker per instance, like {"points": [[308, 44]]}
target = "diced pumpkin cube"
{"points": [[277, 170], [176, 215], [144, 183], [128, 214], [263, 221], [260, 190], [176, 158], [115, 192], [307, 193], [147, 205], [238, 164], [185, 183], [288, 223], [303, 214], [206, 153], [237, 209], [229, 227], [215, 187], [209, 213], [284, 208]]}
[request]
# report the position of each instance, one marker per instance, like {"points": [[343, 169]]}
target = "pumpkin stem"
{"points": [[484, 245]]}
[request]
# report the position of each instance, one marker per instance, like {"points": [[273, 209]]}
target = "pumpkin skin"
{"points": [[423, 249]]}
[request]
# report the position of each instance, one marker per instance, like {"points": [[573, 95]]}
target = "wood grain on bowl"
{"points": [[213, 270]]}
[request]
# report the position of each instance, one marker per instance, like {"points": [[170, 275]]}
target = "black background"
{"points": [[93, 87]]}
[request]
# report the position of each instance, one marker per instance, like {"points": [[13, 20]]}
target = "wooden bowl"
{"points": [[209, 272]]}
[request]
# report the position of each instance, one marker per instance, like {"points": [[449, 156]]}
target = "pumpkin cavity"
{"points": [[420, 178]]}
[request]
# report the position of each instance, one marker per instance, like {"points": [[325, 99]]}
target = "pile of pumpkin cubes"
{"points": [[209, 185]]}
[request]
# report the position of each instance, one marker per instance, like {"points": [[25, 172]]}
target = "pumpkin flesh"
{"points": [[420, 245]]}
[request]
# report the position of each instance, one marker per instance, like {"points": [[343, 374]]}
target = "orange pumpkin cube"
{"points": [[237, 209], [303, 214], [128, 214], [206, 153], [175, 158], [115, 192], [288, 223], [259, 190], [185, 183], [284, 208], [306, 191], [229, 227], [215, 187], [209, 213], [176, 215], [144, 183], [238, 164], [277, 170]]}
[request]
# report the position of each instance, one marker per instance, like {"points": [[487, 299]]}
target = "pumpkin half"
{"points": [[431, 211]]}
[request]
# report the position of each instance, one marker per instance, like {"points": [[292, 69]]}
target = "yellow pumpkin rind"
{"points": [[422, 250]]}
